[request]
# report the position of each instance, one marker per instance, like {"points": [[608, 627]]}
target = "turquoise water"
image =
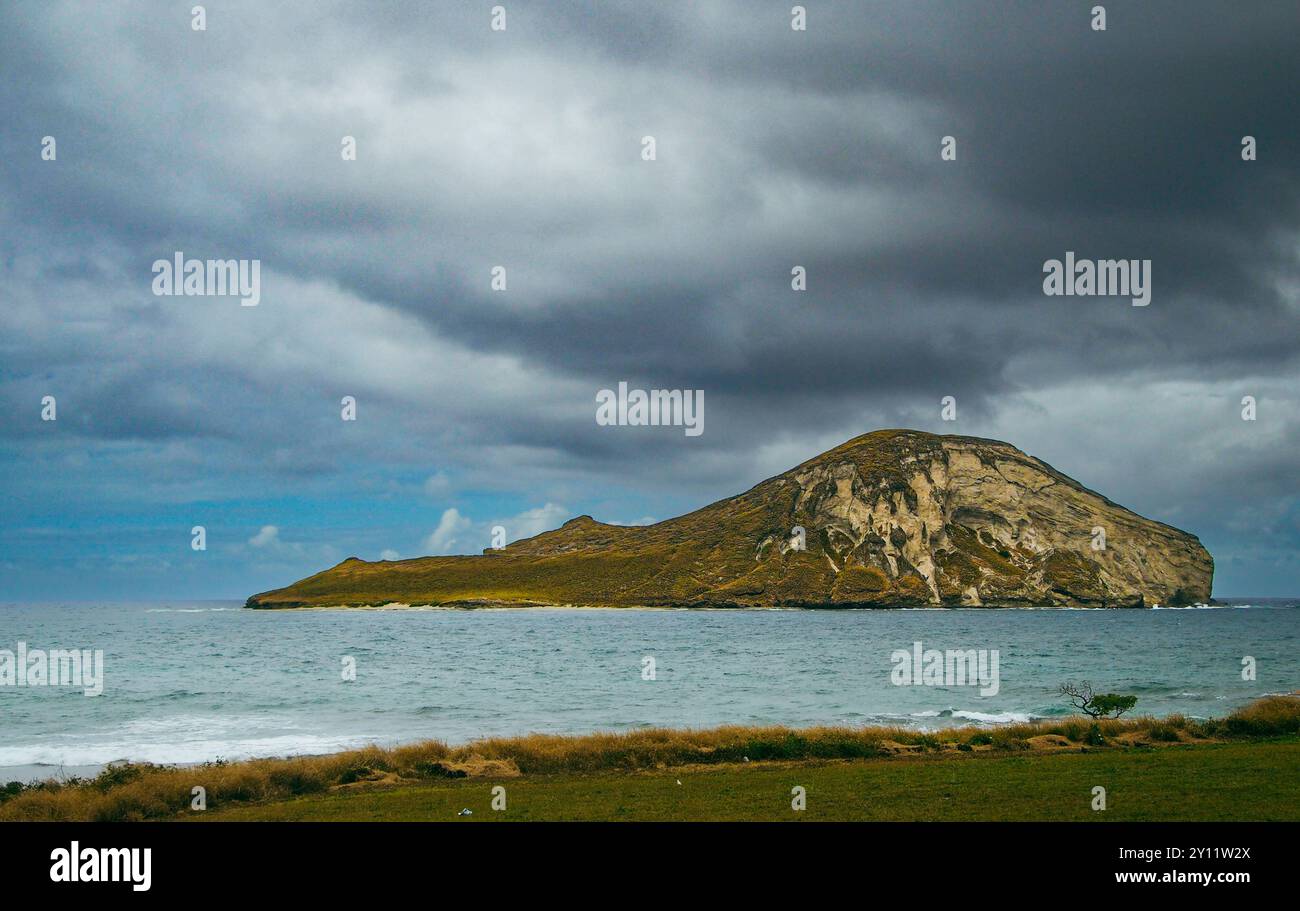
{"points": [[193, 682]]}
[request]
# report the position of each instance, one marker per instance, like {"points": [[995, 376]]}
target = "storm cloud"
{"points": [[522, 148]]}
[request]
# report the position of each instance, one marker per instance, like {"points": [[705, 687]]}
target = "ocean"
{"points": [[188, 682]]}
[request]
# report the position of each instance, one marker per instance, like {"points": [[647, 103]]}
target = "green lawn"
{"points": [[1222, 781]]}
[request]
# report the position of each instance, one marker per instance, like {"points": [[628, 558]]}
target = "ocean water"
{"points": [[194, 682]]}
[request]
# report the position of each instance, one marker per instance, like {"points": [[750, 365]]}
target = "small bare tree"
{"points": [[1097, 705]]}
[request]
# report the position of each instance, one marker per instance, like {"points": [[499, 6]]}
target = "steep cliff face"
{"points": [[889, 519], [956, 520]]}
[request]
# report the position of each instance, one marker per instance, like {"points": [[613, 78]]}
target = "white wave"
{"points": [[188, 610], [1206, 607], [182, 740], [995, 717], [176, 752]]}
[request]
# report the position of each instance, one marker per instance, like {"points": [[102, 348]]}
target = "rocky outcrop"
{"points": [[890, 519]]}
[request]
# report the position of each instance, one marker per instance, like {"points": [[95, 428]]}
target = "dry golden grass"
{"points": [[137, 792]]}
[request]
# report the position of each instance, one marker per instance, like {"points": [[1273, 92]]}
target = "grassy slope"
{"points": [[1222, 781]]}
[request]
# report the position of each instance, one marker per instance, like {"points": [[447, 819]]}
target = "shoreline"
{"points": [[143, 791], [237, 602], [961, 721], [468, 607]]}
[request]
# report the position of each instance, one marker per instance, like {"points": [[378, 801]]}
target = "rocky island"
{"points": [[894, 518]]}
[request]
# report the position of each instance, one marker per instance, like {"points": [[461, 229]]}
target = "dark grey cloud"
{"points": [[775, 148]]}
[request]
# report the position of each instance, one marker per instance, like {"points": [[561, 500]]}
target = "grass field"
{"points": [[1226, 781], [1245, 766]]}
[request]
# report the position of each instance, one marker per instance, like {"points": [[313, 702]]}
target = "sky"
{"points": [[523, 148]]}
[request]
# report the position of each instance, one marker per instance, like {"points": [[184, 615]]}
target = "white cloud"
{"points": [[389, 554], [457, 534], [274, 550], [534, 521], [445, 537], [268, 536]]}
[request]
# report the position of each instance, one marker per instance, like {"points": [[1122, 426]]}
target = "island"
{"points": [[892, 518]]}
